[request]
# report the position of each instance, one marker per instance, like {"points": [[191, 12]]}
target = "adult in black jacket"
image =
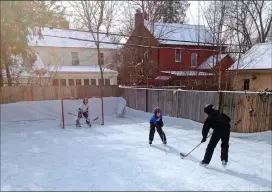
{"points": [[220, 123]]}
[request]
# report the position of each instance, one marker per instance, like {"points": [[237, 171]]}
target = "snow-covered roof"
{"points": [[257, 58], [163, 77], [211, 61], [48, 41], [180, 32], [91, 68], [188, 73]]}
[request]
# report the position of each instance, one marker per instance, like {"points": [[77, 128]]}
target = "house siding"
{"points": [[263, 80], [62, 56]]}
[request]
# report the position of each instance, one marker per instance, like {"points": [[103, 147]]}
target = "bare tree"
{"points": [[95, 16]]}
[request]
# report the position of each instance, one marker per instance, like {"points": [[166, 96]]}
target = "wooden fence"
{"points": [[249, 112], [39, 93]]}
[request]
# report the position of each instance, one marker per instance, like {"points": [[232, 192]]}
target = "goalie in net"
{"points": [[83, 111], [74, 109]]}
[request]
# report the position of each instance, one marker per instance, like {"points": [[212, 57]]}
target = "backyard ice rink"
{"points": [[38, 155]]}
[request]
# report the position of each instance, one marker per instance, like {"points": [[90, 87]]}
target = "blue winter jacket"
{"points": [[154, 119]]}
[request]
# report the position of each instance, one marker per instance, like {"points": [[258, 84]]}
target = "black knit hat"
{"points": [[208, 108]]}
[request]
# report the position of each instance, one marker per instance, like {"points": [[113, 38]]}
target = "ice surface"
{"points": [[37, 155]]}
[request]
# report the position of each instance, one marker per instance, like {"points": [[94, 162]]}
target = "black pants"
{"points": [[159, 130], [216, 136]]}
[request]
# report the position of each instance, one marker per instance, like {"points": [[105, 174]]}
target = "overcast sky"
{"points": [[192, 13]]}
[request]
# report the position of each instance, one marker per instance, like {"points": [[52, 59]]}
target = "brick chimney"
{"points": [[139, 18]]}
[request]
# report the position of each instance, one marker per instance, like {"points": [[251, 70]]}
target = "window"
{"points": [[107, 82], [246, 84], [93, 81], [194, 60], [55, 82], [63, 82], [101, 58], [86, 82], [75, 60], [100, 82], [71, 82], [177, 55], [78, 82]]}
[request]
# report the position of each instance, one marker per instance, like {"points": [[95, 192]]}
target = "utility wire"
{"points": [[139, 45], [144, 37]]}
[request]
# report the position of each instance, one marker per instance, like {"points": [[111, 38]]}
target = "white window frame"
{"points": [[192, 60], [177, 55], [75, 59]]}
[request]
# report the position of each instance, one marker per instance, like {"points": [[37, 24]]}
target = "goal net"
{"points": [[69, 109]]}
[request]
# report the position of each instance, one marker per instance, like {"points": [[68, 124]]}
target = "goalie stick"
{"points": [[76, 116]]}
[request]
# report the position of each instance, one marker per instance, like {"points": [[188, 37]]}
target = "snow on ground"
{"points": [[37, 155]]}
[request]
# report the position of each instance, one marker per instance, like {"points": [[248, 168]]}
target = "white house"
{"points": [[69, 57]]}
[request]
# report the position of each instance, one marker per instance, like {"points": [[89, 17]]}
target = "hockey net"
{"points": [[69, 109]]}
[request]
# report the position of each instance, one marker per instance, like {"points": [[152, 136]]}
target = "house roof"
{"points": [[162, 77], [188, 73], [180, 32], [257, 58], [210, 62], [48, 41], [81, 69]]}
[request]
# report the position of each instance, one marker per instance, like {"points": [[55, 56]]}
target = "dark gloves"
{"points": [[160, 123], [203, 139]]}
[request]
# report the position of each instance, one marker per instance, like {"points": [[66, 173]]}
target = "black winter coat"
{"points": [[219, 122]]}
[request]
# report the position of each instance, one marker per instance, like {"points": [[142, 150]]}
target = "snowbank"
{"points": [[262, 136]]}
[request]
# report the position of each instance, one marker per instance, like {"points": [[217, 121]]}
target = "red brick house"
{"points": [[174, 55]]}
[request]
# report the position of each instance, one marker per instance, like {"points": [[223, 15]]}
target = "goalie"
{"points": [[83, 112]]}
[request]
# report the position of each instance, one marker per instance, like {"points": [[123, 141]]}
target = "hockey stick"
{"points": [[185, 155], [76, 116]]}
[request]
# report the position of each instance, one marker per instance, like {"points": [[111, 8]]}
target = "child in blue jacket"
{"points": [[156, 122]]}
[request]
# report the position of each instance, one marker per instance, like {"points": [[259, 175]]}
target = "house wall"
{"points": [[263, 80], [139, 59], [62, 56], [168, 63]]}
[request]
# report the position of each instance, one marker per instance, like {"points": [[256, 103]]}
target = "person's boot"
{"points": [[203, 164]]}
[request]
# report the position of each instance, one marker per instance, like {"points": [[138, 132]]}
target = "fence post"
{"points": [[146, 100], [220, 101]]}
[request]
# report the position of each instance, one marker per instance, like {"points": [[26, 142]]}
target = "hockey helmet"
{"points": [[157, 110], [208, 108]]}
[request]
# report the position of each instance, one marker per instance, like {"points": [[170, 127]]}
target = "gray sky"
{"points": [[192, 13]]}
